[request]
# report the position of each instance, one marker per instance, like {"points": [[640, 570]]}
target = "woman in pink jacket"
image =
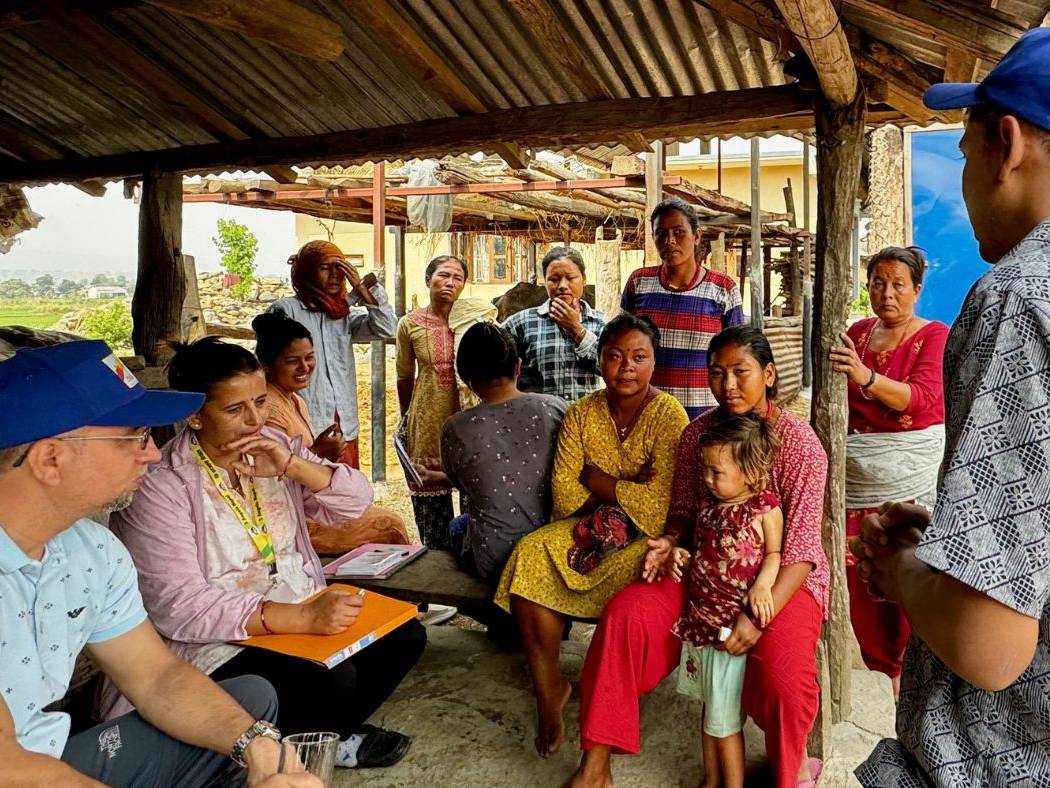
{"points": [[219, 537]]}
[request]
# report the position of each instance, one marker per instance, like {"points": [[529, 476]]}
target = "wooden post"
{"points": [[840, 147], [607, 271], [194, 326], [399, 280], [378, 350], [807, 276], [654, 181], [755, 270], [885, 195], [156, 306], [535, 274], [718, 253]]}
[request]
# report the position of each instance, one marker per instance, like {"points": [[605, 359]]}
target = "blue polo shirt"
{"points": [[85, 590]]}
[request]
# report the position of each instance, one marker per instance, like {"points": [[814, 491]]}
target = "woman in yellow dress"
{"points": [[617, 447]]}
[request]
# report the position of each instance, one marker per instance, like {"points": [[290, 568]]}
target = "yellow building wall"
{"points": [[355, 238]]}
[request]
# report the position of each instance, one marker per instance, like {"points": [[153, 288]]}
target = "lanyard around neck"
{"points": [[255, 525]]}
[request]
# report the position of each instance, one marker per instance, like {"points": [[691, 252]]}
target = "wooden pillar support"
{"points": [[160, 289], [840, 148], [755, 275], [378, 350], [654, 192]]}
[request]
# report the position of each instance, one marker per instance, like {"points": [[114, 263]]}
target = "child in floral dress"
{"points": [[736, 557]]}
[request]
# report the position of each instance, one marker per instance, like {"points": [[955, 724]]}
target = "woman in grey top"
{"points": [[499, 453], [327, 289]]}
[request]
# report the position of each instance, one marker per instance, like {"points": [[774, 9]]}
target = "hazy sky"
{"points": [[81, 234]]}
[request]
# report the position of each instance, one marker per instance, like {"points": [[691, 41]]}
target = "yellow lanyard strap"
{"points": [[254, 525]]}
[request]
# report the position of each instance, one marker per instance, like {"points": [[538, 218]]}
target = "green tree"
{"points": [[15, 288], [44, 285], [110, 322], [238, 247], [67, 287], [101, 280], [861, 305]]}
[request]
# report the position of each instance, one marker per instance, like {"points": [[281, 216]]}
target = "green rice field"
{"points": [[19, 316]]}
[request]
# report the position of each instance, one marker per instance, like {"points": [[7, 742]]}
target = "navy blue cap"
{"points": [[1019, 83], [50, 390]]}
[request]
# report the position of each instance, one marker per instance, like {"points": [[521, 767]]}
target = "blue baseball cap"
{"points": [[50, 390], [1019, 84]]}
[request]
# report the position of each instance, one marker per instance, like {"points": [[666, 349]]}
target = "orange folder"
{"points": [[379, 616]]}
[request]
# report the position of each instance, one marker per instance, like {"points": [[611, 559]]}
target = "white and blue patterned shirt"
{"points": [[84, 590], [990, 530], [551, 362]]}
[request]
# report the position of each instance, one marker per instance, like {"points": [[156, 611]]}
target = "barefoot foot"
{"points": [[549, 724], [592, 773]]}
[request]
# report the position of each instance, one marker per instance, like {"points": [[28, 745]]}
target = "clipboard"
{"points": [[406, 462], [379, 616]]}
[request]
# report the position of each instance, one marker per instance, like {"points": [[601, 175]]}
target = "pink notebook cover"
{"points": [[412, 551]]}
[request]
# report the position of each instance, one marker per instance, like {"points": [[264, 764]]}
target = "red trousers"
{"points": [[881, 628], [633, 650]]}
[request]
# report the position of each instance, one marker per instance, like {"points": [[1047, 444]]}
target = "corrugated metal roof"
{"points": [[67, 100]]}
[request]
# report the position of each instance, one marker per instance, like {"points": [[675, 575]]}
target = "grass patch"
{"points": [[30, 318]]}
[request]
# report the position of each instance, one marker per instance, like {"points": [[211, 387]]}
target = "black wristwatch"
{"points": [[871, 381], [257, 728]]}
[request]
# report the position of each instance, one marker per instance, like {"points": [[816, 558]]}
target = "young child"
{"points": [[736, 557]]}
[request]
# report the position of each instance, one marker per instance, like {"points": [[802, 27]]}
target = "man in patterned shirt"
{"points": [[687, 301], [974, 578], [558, 340]]}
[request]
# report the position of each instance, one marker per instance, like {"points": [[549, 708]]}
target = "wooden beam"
{"points": [[552, 36], [781, 108], [966, 25], [281, 173], [654, 193], [815, 24], [379, 215], [156, 306], [139, 67], [284, 24], [840, 148], [755, 272], [406, 48], [908, 79]]}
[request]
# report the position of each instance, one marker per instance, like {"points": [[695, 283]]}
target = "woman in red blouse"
{"points": [[896, 429], [634, 649]]}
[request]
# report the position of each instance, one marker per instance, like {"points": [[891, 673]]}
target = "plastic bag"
{"points": [[433, 212]]}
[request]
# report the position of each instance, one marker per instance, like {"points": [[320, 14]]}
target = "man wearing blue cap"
{"points": [[974, 577], [75, 443]]}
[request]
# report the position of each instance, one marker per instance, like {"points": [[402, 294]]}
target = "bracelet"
{"points": [[772, 552], [870, 382], [262, 617], [287, 465]]}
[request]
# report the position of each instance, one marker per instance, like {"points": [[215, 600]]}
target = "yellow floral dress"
{"points": [[538, 568]]}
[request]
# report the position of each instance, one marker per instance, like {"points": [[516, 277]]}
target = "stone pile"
{"points": [[220, 306]]}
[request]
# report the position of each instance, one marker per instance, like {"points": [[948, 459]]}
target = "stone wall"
{"points": [[220, 306]]}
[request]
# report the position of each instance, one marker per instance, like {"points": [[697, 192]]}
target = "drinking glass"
{"points": [[316, 752]]}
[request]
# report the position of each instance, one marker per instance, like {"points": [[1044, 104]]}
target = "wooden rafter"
{"points": [[815, 23], [279, 22], [906, 80], [137, 66], [965, 25], [540, 18], [554, 126], [405, 47]]}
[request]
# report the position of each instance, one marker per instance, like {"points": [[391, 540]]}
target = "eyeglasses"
{"points": [[142, 436]]}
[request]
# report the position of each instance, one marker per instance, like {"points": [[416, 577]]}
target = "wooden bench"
{"points": [[434, 577]]}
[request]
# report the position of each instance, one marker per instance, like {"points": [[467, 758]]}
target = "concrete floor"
{"points": [[470, 712]]}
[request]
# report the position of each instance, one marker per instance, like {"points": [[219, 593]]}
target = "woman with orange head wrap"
{"points": [[327, 290]]}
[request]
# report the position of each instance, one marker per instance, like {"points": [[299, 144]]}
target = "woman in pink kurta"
{"points": [[634, 648], [893, 363]]}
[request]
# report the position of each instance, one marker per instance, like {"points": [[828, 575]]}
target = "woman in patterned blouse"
{"points": [[634, 649], [894, 366]]}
